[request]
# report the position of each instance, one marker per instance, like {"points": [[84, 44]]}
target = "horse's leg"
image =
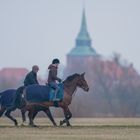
{"points": [[30, 115], [23, 111], [7, 114], [35, 113], [67, 115], [48, 113], [2, 110], [23, 116]]}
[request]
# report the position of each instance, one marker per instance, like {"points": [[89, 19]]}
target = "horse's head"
{"points": [[76, 80], [82, 82]]}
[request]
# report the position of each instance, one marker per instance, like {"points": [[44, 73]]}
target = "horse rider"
{"points": [[52, 77], [31, 78]]}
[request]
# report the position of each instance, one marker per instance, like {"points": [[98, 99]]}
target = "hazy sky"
{"points": [[36, 31]]}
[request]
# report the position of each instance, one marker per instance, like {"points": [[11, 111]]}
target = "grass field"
{"points": [[82, 129]]}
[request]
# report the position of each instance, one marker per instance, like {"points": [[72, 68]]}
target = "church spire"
{"points": [[83, 37], [83, 24]]}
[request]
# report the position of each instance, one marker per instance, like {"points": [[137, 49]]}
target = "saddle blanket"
{"points": [[41, 93]]}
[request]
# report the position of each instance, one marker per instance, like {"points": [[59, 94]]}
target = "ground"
{"points": [[82, 129]]}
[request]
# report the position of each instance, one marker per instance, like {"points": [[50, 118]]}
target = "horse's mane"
{"points": [[71, 77]]}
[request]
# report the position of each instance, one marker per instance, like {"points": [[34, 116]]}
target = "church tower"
{"points": [[82, 53]]}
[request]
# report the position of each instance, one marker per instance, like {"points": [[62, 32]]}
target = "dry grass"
{"points": [[82, 129]]}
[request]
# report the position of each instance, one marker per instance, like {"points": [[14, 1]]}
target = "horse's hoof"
{"points": [[61, 123], [16, 123], [69, 125], [24, 124]]}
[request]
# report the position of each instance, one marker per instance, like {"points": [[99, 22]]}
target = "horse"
{"points": [[7, 99], [70, 85]]}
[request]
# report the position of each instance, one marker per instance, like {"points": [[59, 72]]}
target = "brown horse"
{"points": [[70, 86]]}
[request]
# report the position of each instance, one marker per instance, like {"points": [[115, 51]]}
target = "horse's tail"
{"points": [[0, 97], [23, 97], [24, 94]]}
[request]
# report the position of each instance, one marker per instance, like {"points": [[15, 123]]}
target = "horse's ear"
{"points": [[83, 74]]}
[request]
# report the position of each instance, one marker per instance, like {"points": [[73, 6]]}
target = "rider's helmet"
{"points": [[55, 61]]}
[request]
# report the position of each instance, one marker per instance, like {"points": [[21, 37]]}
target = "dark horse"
{"points": [[7, 98], [70, 86]]}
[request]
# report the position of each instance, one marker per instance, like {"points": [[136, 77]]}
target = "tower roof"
{"points": [[83, 34], [83, 41]]}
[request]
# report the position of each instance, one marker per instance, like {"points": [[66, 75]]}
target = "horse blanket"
{"points": [[7, 98], [41, 93]]}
